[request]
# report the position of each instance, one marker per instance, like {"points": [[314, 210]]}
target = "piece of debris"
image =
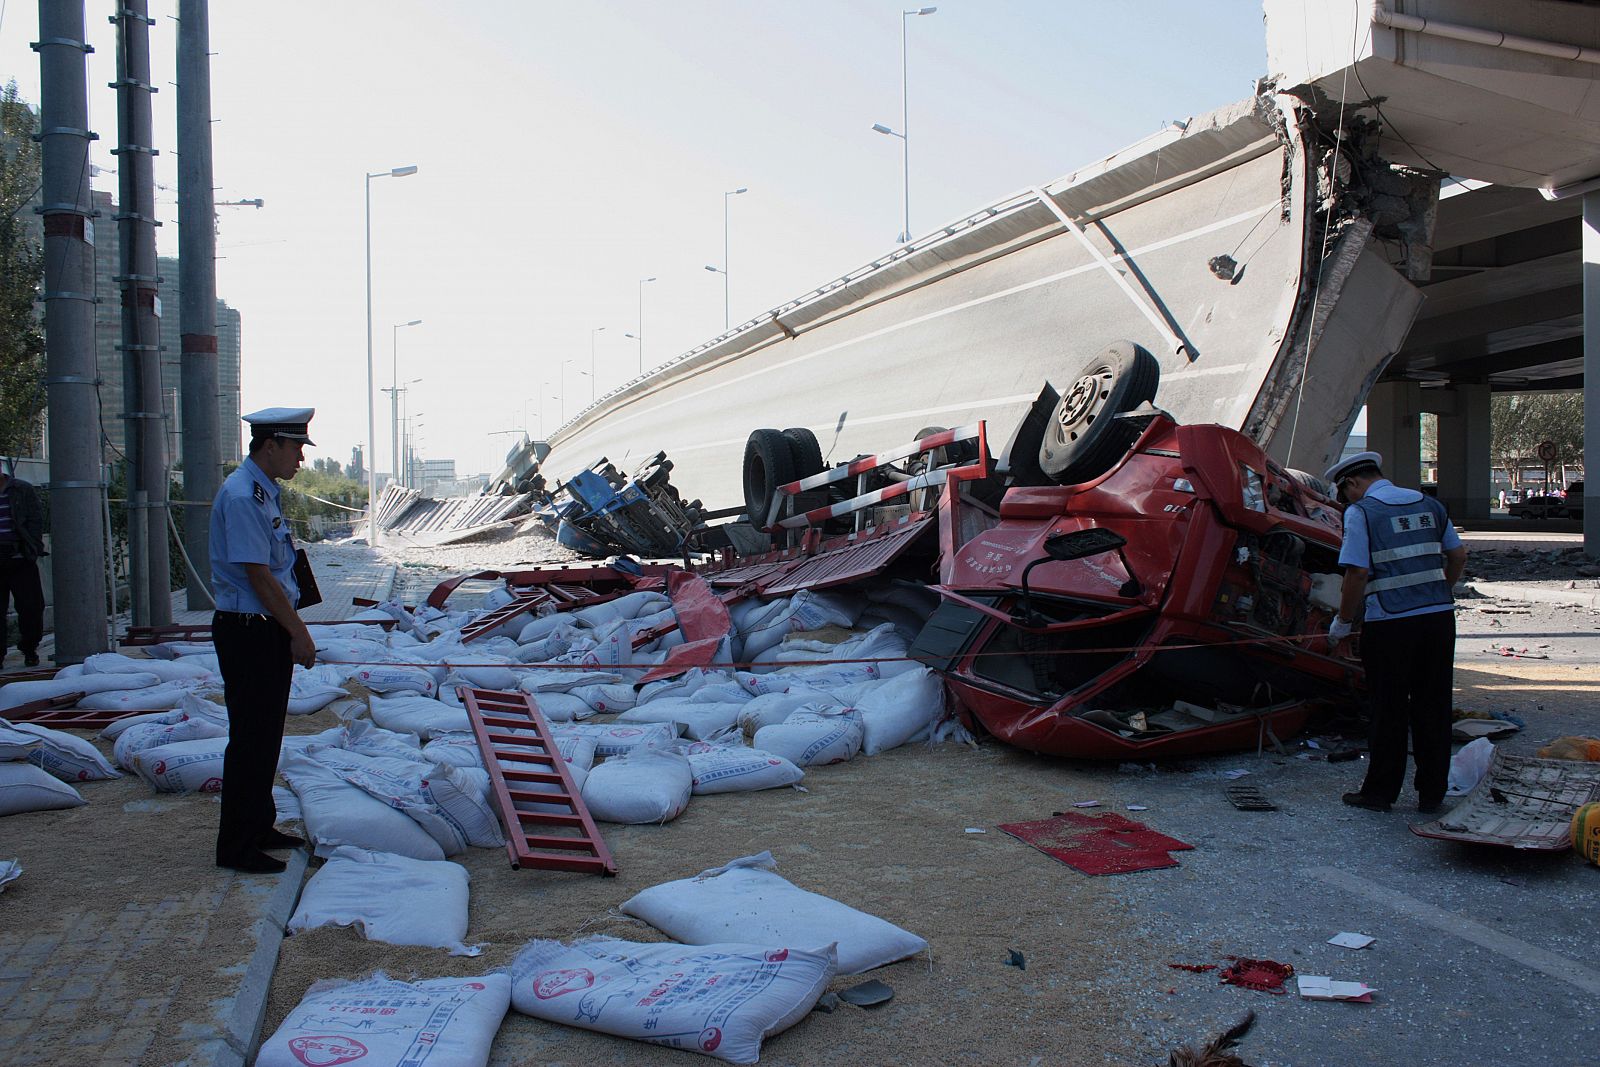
{"points": [[1086, 804], [1264, 976], [1572, 748], [1514, 653], [1472, 729], [1342, 755], [826, 1003], [1017, 960], [975, 830], [1193, 968], [1349, 940], [1521, 803], [1237, 772], [9, 871], [1248, 798], [1320, 987], [1218, 1052], [1138, 807], [1104, 843], [867, 994]]}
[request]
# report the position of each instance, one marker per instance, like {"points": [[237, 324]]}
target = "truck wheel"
{"points": [[806, 451], [1084, 438], [768, 463]]}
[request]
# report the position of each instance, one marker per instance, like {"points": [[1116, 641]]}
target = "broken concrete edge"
{"points": [[243, 1028], [1586, 598]]}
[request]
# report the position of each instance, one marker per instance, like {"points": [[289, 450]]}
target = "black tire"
{"points": [[768, 463], [805, 450], [1085, 438], [1525, 515]]}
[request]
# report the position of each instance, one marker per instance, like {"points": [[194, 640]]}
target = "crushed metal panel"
{"points": [[1521, 802], [861, 559]]}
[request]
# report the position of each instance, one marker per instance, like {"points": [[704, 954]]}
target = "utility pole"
{"points": [[197, 284], [141, 316], [78, 585]]}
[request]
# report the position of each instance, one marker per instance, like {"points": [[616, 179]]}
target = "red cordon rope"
{"points": [[834, 662]]}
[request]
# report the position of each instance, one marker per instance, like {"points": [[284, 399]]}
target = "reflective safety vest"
{"points": [[1407, 570]]}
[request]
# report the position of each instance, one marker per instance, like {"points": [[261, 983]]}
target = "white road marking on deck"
{"points": [[1530, 956]]}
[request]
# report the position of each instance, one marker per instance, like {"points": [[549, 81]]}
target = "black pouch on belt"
{"points": [[310, 595]]}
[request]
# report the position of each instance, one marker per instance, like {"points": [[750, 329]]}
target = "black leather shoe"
{"points": [[30, 659], [1430, 807], [279, 839], [255, 862], [1361, 800]]}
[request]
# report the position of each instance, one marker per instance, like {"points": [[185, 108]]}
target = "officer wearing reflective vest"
{"points": [[1401, 560], [258, 633]]}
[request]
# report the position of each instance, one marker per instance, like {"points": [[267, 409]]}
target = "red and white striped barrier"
{"points": [[976, 469]]}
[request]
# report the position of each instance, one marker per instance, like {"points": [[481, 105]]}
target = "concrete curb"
{"points": [[243, 1025], [1586, 598]]}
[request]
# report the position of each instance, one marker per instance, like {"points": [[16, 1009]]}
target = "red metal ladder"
{"points": [[518, 750]]}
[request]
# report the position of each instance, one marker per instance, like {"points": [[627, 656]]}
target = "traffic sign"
{"points": [[1547, 451]]}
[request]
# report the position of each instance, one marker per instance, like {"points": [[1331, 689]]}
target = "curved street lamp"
{"points": [[372, 418]]}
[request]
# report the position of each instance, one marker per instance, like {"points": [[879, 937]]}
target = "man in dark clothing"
{"points": [[1401, 559], [21, 545], [258, 634]]}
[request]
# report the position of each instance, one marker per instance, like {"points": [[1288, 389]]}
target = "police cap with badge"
{"points": [[289, 424], [1360, 463]]}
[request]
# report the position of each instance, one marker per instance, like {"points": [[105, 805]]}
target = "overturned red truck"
{"points": [[1113, 585]]}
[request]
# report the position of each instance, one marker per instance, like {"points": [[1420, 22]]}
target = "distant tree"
{"points": [[22, 392], [1520, 422]]}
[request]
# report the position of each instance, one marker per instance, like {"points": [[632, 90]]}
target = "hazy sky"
{"points": [[567, 150]]}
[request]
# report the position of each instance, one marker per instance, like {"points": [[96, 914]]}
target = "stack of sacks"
{"points": [[15, 694], [69, 758], [180, 751], [445, 804], [314, 689], [24, 784], [759, 625], [570, 695], [412, 713], [168, 670]]}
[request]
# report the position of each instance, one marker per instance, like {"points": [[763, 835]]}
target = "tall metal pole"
{"points": [[905, 131], [1591, 371], [640, 336], [372, 430], [372, 418], [394, 393], [141, 319], [592, 333], [78, 588], [725, 264], [197, 254]]}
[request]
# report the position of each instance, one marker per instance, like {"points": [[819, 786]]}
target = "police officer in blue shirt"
{"points": [[1401, 558], [258, 633]]}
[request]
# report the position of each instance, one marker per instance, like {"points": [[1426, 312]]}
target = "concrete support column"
{"points": [[1394, 430], [1464, 466], [1591, 372]]}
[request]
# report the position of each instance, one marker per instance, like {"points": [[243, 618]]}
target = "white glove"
{"points": [[1338, 630]]}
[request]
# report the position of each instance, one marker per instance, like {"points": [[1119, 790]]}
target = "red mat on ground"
{"points": [[1106, 843]]}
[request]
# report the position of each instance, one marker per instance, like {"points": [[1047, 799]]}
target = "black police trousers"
{"points": [[253, 652], [1410, 671], [19, 582]]}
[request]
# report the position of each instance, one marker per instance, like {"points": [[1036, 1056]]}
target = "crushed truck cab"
{"points": [[1191, 622]]}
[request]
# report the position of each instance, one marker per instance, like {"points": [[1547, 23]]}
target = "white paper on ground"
{"points": [[1321, 987], [1349, 940]]}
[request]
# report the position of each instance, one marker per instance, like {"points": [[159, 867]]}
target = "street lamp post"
{"points": [[372, 417], [723, 270], [640, 324], [596, 330], [394, 392], [904, 132], [564, 364]]}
